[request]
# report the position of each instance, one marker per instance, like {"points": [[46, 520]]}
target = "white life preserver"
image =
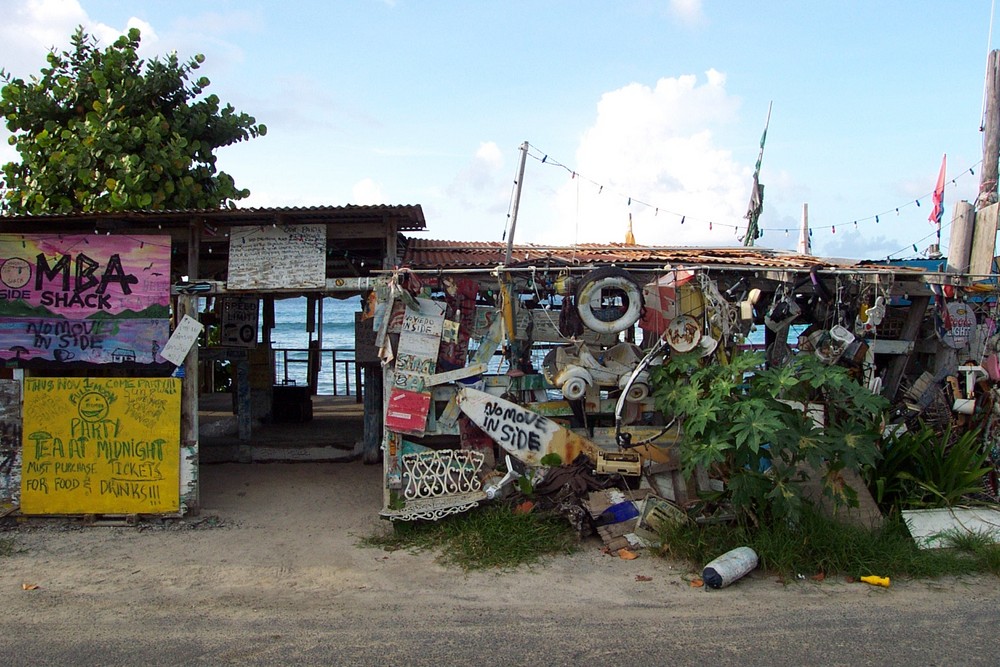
{"points": [[588, 294]]}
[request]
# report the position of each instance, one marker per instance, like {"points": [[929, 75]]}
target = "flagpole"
{"points": [[757, 190]]}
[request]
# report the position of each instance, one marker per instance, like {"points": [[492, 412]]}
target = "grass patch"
{"points": [[491, 537], [818, 544]]}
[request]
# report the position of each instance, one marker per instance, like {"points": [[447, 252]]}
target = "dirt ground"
{"points": [[271, 572]]}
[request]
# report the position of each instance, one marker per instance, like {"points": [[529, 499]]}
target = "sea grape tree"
{"points": [[104, 130]]}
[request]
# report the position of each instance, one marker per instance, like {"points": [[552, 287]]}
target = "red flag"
{"points": [[936, 213]]}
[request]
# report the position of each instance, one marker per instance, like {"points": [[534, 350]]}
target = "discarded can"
{"points": [[730, 567], [876, 581]]}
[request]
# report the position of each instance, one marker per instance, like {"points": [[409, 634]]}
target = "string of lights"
{"points": [[543, 158]]}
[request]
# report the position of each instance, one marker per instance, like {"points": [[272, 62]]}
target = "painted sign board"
{"points": [[10, 443], [239, 322], [407, 411], [419, 341], [101, 446], [282, 256], [84, 298], [960, 324], [524, 434]]}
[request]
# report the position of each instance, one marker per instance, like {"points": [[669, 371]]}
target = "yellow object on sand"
{"points": [[876, 581]]}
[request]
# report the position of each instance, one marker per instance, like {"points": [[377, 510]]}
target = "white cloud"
{"points": [[367, 192], [688, 11], [657, 147], [31, 28], [481, 183]]}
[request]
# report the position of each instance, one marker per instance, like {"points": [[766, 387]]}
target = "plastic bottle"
{"points": [[730, 567], [876, 581]]}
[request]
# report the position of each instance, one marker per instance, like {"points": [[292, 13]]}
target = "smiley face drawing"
{"points": [[15, 273], [93, 407]]}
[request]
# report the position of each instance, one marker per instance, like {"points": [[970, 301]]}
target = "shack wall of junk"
{"points": [[547, 373]]}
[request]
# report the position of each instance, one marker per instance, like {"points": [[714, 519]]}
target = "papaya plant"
{"points": [[104, 130], [764, 431]]}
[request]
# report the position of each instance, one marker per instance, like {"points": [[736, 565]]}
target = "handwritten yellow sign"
{"points": [[101, 446]]}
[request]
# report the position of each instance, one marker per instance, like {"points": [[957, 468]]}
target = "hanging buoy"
{"points": [[590, 295]]}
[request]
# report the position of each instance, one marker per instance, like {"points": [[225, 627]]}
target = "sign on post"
{"points": [[239, 322]]}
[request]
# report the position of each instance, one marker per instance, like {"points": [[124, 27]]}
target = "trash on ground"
{"points": [[729, 567]]}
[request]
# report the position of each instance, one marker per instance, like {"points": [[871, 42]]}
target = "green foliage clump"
{"points": [[492, 537], [748, 426], [926, 468], [103, 130], [818, 544]]}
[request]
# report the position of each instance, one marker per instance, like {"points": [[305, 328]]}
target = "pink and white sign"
{"points": [[83, 298]]}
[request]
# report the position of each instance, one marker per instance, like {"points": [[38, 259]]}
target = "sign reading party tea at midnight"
{"points": [[85, 298], [100, 446]]}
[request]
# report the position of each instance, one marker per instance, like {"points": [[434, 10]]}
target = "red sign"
{"points": [[407, 411]]}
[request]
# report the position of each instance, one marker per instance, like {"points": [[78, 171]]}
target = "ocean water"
{"points": [[289, 334]]}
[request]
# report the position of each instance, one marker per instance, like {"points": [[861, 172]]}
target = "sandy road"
{"points": [[271, 573]]}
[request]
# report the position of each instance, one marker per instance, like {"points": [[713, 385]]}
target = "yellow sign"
{"points": [[101, 446]]}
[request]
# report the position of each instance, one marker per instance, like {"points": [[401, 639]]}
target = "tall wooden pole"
{"points": [[991, 135]]}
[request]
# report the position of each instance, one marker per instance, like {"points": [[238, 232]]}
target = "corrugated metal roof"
{"points": [[409, 217], [439, 254]]}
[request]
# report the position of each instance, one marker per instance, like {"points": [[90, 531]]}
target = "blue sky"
{"points": [[656, 106]]}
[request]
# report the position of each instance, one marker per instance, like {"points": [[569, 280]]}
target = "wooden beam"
{"points": [[983, 243], [911, 327], [190, 496]]}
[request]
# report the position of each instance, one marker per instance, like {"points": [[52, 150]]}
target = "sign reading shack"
{"points": [[101, 446], [83, 299]]}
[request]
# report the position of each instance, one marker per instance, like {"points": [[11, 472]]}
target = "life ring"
{"points": [[589, 291]]}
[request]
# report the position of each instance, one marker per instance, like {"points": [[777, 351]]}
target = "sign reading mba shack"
{"points": [[84, 299]]}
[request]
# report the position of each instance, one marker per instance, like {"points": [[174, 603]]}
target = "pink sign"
{"points": [[83, 298]]}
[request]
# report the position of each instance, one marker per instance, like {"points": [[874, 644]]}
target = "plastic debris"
{"points": [[730, 567], [876, 581]]}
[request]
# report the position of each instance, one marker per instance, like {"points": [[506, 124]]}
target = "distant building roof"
{"points": [[408, 217], [438, 254]]}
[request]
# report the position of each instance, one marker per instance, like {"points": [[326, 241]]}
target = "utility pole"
{"points": [[517, 202]]}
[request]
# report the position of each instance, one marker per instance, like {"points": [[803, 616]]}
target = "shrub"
{"points": [[749, 426]]}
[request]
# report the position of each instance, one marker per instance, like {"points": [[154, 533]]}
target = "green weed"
{"points": [[817, 544], [492, 537], [927, 468]]}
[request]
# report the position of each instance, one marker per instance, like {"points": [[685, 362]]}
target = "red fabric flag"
{"points": [[938, 211]]}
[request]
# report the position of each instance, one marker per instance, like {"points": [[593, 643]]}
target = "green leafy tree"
{"points": [[749, 427], [103, 130]]}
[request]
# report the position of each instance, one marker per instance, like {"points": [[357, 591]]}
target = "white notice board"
{"points": [[282, 256]]}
